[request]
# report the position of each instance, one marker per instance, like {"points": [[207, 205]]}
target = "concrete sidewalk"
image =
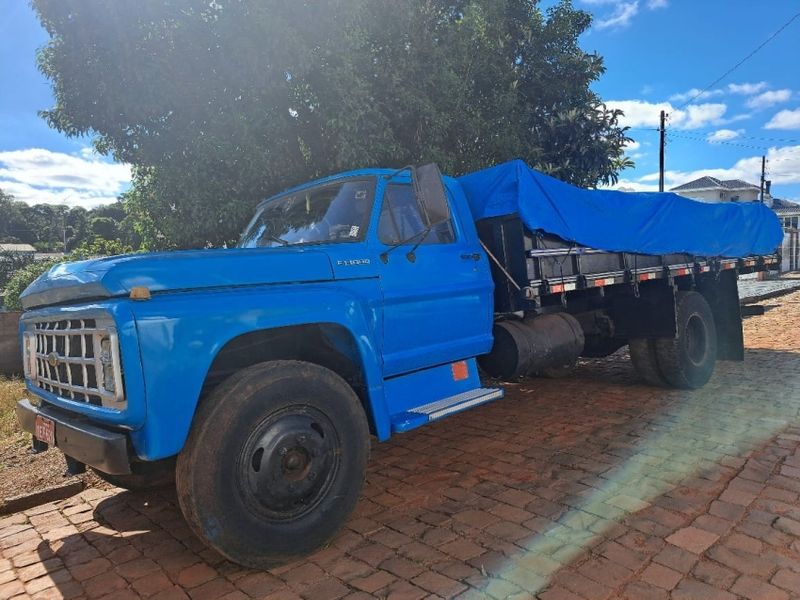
{"points": [[751, 290]]}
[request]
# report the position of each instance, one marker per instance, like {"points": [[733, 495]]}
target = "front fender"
{"points": [[181, 334]]}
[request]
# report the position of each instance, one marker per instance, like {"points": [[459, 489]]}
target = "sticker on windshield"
{"points": [[354, 231], [361, 194]]}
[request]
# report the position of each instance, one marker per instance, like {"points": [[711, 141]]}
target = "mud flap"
{"points": [[722, 294]]}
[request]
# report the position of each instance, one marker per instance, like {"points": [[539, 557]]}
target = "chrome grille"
{"points": [[76, 359]]}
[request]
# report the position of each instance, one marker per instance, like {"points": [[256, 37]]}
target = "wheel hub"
{"points": [[288, 463], [696, 340]]}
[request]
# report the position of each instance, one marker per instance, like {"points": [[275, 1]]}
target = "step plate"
{"points": [[459, 402]]}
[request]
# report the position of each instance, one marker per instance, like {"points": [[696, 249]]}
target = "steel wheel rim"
{"points": [[696, 340], [288, 463]]}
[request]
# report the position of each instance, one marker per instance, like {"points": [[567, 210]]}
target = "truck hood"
{"points": [[171, 271]]}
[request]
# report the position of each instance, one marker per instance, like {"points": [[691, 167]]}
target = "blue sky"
{"points": [[656, 52]]}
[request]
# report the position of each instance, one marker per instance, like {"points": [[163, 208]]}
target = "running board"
{"points": [[426, 413]]}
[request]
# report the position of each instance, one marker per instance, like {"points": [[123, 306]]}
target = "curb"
{"points": [[51, 494]]}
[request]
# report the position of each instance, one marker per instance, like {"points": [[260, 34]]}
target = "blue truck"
{"points": [[362, 305]]}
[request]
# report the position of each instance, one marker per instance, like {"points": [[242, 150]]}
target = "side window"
{"points": [[401, 220]]}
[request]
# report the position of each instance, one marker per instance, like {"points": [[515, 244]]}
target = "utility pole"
{"points": [[662, 143], [763, 176]]}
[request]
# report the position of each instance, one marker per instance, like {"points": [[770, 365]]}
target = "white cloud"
{"points": [[785, 119], [767, 99], [742, 89], [695, 94], [622, 15], [746, 89], [622, 12], [734, 118], [722, 135], [40, 176], [639, 113], [783, 164], [632, 145]]}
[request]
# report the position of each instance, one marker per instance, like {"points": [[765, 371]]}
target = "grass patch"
{"points": [[11, 390]]}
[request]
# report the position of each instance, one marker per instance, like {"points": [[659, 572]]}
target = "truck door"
{"points": [[437, 300]]}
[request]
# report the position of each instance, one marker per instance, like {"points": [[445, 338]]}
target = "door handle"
{"points": [[473, 256]]}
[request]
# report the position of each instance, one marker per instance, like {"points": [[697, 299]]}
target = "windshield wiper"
{"points": [[275, 238]]}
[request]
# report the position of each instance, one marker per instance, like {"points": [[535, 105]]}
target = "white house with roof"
{"points": [[711, 189], [788, 213]]}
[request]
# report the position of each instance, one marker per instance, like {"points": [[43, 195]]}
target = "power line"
{"points": [[727, 143], [751, 137], [740, 63]]}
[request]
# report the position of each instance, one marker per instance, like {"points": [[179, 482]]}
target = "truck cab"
{"points": [[351, 282]]}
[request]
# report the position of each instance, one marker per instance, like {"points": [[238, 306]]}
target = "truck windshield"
{"points": [[337, 212]]}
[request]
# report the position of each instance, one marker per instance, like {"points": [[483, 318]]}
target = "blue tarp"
{"points": [[641, 222]]}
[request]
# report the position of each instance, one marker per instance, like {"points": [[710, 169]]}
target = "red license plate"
{"points": [[45, 430]]}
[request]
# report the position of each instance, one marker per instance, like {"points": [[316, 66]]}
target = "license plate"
{"points": [[45, 430]]}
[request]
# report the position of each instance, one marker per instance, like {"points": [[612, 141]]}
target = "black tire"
{"points": [[645, 361], [274, 462], [145, 476], [687, 361]]}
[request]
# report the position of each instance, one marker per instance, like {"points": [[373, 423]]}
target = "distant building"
{"points": [[711, 189], [788, 213], [20, 250]]}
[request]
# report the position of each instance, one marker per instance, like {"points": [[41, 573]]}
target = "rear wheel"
{"points": [[274, 463], [687, 361], [645, 361]]}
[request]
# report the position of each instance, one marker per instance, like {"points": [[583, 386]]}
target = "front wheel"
{"points": [[274, 463]]}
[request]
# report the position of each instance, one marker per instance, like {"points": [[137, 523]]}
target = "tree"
{"points": [[10, 263], [220, 104], [13, 224], [104, 227], [21, 279]]}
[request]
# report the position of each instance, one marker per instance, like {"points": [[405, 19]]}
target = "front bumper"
{"points": [[78, 438]]}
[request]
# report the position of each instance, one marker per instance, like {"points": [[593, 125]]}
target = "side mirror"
{"points": [[431, 195]]}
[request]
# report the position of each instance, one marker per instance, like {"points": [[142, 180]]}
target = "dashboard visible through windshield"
{"points": [[337, 212]]}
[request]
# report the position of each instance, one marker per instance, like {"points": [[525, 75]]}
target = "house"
{"points": [[788, 213], [711, 189], [18, 250]]}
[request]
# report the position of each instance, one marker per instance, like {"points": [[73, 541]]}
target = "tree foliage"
{"points": [[10, 263], [219, 104], [47, 227], [21, 279]]}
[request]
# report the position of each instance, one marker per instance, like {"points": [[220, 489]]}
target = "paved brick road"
{"points": [[589, 488]]}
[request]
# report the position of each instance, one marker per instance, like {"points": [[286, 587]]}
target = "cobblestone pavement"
{"points": [[587, 488]]}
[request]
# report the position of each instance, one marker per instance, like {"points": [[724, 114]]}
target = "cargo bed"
{"points": [[534, 269]]}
